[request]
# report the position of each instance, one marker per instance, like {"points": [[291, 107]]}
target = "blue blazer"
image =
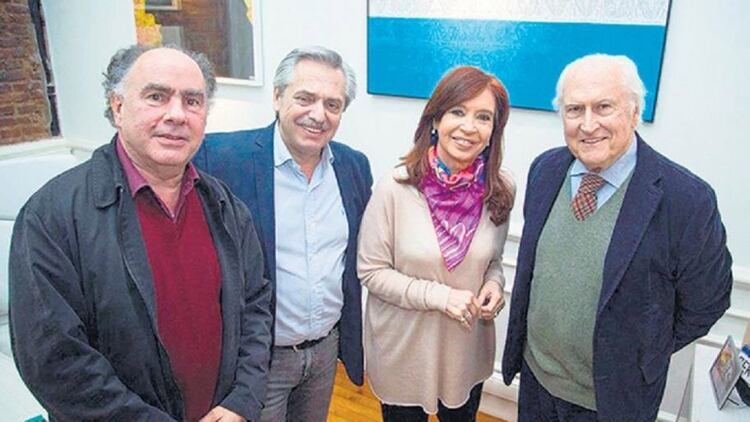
{"points": [[666, 279], [244, 160]]}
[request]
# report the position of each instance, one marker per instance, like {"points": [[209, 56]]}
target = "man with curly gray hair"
{"points": [[136, 281]]}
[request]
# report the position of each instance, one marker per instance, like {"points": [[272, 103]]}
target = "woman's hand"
{"points": [[462, 306], [491, 300]]}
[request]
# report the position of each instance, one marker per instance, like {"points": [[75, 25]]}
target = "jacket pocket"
{"points": [[655, 367]]}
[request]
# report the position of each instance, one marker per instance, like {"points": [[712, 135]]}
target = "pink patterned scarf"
{"points": [[455, 203]]}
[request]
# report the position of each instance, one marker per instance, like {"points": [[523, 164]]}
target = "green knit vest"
{"points": [[565, 290]]}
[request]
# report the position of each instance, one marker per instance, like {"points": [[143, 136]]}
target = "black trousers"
{"points": [[536, 404], [465, 413]]}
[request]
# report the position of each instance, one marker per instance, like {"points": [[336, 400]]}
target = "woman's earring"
{"points": [[433, 137]]}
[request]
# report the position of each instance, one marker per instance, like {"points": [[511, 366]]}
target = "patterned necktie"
{"points": [[584, 203]]}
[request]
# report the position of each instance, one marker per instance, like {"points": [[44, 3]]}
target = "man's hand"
{"points": [[219, 413], [491, 299]]}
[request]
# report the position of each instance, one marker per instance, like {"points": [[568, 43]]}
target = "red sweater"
{"points": [[187, 284]]}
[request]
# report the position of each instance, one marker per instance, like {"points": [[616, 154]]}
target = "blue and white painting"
{"points": [[526, 43]]}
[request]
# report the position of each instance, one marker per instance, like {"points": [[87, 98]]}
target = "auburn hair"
{"points": [[459, 85]]}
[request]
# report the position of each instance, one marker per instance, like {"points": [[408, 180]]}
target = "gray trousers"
{"points": [[300, 382]]}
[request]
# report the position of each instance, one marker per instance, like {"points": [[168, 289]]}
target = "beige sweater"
{"points": [[415, 354]]}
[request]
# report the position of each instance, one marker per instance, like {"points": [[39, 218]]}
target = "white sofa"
{"points": [[22, 177]]}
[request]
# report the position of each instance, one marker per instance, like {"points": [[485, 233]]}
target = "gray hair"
{"points": [[285, 71], [122, 61], [628, 71]]}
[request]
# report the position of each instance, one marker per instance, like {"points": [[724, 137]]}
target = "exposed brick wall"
{"points": [[203, 23], [24, 107]]}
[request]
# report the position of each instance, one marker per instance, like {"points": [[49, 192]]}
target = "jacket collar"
{"points": [[641, 201], [263, 164], [108, 178]]}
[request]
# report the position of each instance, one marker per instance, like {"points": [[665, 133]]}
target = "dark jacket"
{"points": [[244, 160], [666, 280], [82, 306]]}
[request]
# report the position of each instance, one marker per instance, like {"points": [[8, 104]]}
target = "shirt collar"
{"points": [[281, 153], [618, 172], [135, 179]]}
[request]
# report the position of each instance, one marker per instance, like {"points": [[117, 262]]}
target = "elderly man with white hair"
{"points": [[623, 259]]}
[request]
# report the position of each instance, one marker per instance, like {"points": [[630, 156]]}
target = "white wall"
{"points": [[82, 36]]}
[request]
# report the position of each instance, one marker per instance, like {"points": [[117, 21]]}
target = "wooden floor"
{"points": [[357, 404]]}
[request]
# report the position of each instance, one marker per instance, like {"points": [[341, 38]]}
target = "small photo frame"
{"points": [[163, 4], [172, 34], [725, 372]]}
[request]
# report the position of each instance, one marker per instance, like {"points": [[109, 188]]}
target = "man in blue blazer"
{"points": [[622, 262], [307, 194]]}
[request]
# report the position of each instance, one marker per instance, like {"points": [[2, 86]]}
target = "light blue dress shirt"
{"points": [[311, 238], [614, 176]]}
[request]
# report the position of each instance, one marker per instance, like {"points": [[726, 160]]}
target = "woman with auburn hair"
{"points": [[430, 255]]}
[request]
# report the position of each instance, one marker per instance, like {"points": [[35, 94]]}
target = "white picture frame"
{"points": [[163, 5]]}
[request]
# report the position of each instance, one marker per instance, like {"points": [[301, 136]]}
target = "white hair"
{"points": [[628, 71], [285, 71]]}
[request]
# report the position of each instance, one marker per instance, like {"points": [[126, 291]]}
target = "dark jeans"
{"points": [[536, 404], [465, 413]]}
